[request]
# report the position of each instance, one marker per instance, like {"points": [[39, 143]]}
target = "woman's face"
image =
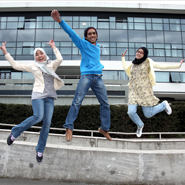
{"points": [[40, 56], [139, 54]]}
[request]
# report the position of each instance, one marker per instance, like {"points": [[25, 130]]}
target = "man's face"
{"points": [[91, 36]]}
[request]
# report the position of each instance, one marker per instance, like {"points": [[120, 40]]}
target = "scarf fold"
{"points": [[43, 65], [139, 61]]}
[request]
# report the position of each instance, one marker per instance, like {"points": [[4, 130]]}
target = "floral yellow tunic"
{"points": [[140, 88]]}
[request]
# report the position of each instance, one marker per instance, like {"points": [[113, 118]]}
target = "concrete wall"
{"points": [[73, 163]]}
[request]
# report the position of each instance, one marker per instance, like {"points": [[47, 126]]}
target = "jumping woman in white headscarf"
{"points": [[43, 94]]}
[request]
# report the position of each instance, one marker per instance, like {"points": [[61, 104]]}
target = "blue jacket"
{"points": [[90, 63]]}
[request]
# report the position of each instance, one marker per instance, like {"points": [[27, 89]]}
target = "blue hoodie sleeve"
{"points": [[80, 43]]}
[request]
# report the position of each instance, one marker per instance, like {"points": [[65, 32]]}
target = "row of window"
{"points": [[98, 25], [101, 18], [165, 77]]}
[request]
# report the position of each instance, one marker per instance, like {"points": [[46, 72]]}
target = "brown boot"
{"points": [[69, 134], [105, 133]]}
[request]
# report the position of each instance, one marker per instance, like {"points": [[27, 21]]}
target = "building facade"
{"points": [[120, 26]]}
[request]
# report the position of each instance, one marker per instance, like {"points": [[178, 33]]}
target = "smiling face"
{"points": [[139, 54], [91, 36], [40, 56]]}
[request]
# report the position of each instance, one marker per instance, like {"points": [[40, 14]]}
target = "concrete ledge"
{"points": [[92, 165]]}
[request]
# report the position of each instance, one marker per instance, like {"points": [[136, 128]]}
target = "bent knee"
{"points": [[147, 115]]}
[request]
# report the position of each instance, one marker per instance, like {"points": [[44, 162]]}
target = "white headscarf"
{"points": [[43, 65]]}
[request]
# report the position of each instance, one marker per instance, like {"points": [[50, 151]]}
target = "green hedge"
{"points": [[89, 118]]}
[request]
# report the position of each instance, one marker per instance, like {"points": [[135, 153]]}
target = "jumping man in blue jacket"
{"points": [[91, 77]]}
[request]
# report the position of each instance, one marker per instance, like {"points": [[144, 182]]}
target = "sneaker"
{"points": [[139, 132], [168, 109], [39, 157], [10, 139], [69, 134], [105, 133]]}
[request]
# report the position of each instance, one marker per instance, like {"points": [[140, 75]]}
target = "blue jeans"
{"points": [[42, 110], [98, 87], [148, 112]]}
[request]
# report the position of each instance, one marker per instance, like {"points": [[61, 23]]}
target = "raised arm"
{"points": [[74, 37], [125, 67], [3, 48], [58, 55]]}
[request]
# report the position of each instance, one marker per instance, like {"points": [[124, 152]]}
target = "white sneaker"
{"points": [[139, 132], [168, 109]]}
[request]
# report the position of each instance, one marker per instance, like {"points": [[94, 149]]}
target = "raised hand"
{"points": [[182, 61], [51, 43], [3, 48], [56, 16], [123, 54]]}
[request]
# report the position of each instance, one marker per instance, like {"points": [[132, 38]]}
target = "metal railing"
{"points": [[115, 133]]}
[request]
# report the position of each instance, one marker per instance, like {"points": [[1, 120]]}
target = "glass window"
{"points": [[148, 19], [64, 44], [156, 20], [139, 26], [16, 75], [182, 77], [155, 36], [183, 27], [137, 36], [113, 25], [26, 35], [2, 25], [75, 18], [12, 18], [11, 44], [158, 45], [11, 25], [159, 52], [65, 51], [75, 51], [162, 76], [130, 19], [28, 51], [60, 35], [117, 36], [29, 25], [44, 34], [67, 18], [112, 51], [157, 26], [139, 19], [172, 37], [175, 27], [48, 24], [84, 24], [103, 35], [112, 19], [177, 53], [176, 21], [121, 25], [3, 19], [166, 27], [183, 37], [130, 26], [85, 18], [19, 51], [132, 51], [168, 53], [122, 44], [175, 77], [150, 52], [103, 25], [48, 18], [166, 20], [75, 25], [149, 26], [27, 75]]}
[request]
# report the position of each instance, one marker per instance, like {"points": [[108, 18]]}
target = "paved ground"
{"points": [[9, 181]]}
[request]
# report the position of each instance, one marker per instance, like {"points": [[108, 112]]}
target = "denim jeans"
{"points": [[148, 112], [42, 110], [98, 87]]}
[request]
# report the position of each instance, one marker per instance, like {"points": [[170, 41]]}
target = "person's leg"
{"points": [[132, 112], [100, 91], [48, 114], [38, 113], [150, 111], [81, 90]]}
